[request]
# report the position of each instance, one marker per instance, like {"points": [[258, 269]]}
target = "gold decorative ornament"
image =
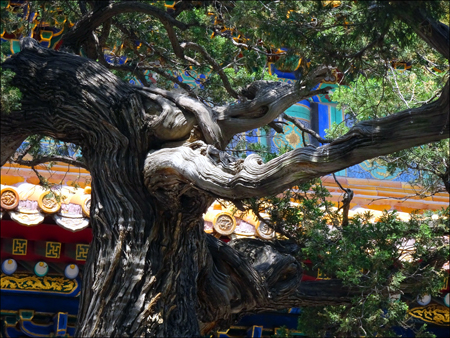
{"points": [[293, 138], [86, 206], [48, 203], [9, 198], [81, 252], [27, 219], [264, 231], [71, 224], [224, 223], [21, 281], [19, 247], [52, 249], [434, 313]]}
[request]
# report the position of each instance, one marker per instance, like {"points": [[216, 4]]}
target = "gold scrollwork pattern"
{"points": [[434, 313], [21, 281]]}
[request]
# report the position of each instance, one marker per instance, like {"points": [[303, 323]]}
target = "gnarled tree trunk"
{"points": [[151, 270]]}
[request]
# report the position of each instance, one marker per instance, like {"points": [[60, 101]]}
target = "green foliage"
{"points": [[283, 331], [373, 97], [241, 147], [10, 96], [370, 98], [377, 258], [356, 37], [327, 35], [11, 20]]}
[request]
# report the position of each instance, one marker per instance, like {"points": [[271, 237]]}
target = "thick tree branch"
{"points": [[67, 97], [267, 101], [10, 141], [218, 125], [435, 34], [225, 176], [204, 115], [252, 275]]}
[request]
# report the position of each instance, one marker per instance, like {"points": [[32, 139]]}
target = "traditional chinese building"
{"points": [[45, 234]]}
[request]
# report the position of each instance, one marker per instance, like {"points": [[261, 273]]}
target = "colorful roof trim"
{"points": [[28, 204]]}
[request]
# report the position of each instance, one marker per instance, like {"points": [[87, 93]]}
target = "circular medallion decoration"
{"points": [[447, 299], [48, 203], [86, 206], [9, 266], [224, 223], [264, 231], [424, 300], [71, 271], [41, 269], [9, 198]]}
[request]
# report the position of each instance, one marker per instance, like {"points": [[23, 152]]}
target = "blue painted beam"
{"points": [[39, 303]]}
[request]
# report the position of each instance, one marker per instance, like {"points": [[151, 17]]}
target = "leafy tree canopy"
{"points": [[233, 43]]}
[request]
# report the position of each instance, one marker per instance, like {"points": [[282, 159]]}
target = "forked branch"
{"points": [[220, 174], [94, 19]]}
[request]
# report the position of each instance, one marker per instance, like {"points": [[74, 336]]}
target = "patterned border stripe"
{"points": [[32, 283], [52, 249], [19, 247], [434, 313], [81, 252]]}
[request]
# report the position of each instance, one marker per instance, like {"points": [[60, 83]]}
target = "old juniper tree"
{"points": [[157, 154]]}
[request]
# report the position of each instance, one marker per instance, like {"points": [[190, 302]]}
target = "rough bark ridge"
{"points": [[219, 173], [142, 266], [149, 252], [151, 270]]}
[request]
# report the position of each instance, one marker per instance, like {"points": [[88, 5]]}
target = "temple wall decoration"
{"points": [[434, 313], [57, 285]]}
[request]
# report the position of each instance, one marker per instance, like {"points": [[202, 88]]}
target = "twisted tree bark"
{"points": [[151, 269]]}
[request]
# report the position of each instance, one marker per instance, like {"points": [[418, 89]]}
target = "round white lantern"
{"points": [[41, 269], [9, 266], [71, 271]]}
